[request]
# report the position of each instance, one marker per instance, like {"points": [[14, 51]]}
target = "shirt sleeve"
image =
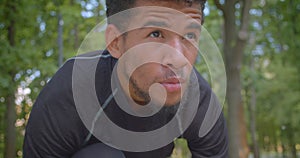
{"points": [[54, 128], [214, 144]]}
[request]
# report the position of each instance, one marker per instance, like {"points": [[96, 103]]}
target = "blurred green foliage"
{"points": [[274, 48]]}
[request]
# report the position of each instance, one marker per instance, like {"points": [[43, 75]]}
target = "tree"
{"points": [[280, 86], [29, 54], [236, 20], [250, 78], [10, 115]]}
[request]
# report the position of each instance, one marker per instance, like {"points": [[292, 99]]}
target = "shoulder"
{"points": [[54, 126], [99, 54]]}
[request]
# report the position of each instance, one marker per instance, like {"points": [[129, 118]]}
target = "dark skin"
{"points": [[160, 47]]}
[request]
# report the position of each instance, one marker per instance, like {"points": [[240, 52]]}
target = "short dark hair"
{"points": [[116, 6]]}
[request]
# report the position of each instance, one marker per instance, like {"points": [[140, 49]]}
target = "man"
{"points": [[148, 91]]}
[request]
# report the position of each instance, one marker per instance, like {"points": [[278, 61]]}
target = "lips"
{"points": [[172, 84]]}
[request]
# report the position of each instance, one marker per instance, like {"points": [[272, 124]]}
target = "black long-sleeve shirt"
{"points": [[55, 128]]}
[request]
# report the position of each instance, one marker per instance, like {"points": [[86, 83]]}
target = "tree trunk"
{"points": [[294, 151], [60, 23], [234, 41], [10, 113], [291, 140], [10, 136], [252, 110], [75, 29], [76, 40], [283, 151]]}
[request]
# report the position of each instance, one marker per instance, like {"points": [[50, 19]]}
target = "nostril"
{"points": [[189, 3], [170, 65]]}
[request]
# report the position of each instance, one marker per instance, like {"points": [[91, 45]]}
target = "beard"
{"points": [[172, 109], [139, 92], [142, 92]]}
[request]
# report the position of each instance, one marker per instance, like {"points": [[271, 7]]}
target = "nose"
{"points": [[174, 54]]}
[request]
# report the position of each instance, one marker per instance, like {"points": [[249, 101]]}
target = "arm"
{"points": [[214, 144], [54, 128]]}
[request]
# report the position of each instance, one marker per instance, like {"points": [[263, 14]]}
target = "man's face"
{"points": [[159, 49]]}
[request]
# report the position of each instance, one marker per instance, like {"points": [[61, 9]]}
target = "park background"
{"points": [[259, 41]]}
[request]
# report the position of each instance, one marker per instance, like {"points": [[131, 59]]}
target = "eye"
{"points": [[155, 34], [190, 36]]}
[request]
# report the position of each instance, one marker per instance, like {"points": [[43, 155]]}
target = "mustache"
{"points": [[169, 73]]}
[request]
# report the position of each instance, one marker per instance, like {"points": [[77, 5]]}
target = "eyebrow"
{"points": [[194, 26], [155, 24]]}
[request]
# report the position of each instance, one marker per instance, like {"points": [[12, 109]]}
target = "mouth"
{"points": [[172, 84]]}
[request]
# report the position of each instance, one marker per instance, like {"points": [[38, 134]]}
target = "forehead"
{"points": [[167, 14], [166, 3], [175, 4], [179, 5]]}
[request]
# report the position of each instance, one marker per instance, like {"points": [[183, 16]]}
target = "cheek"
{"points": [[146, 75], [192, 56]]}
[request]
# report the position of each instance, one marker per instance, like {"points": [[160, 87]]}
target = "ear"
{"points": [[113, 41]]}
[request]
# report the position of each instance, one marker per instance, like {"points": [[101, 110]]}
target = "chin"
{"points": [[173, 99], [171, 102]]}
